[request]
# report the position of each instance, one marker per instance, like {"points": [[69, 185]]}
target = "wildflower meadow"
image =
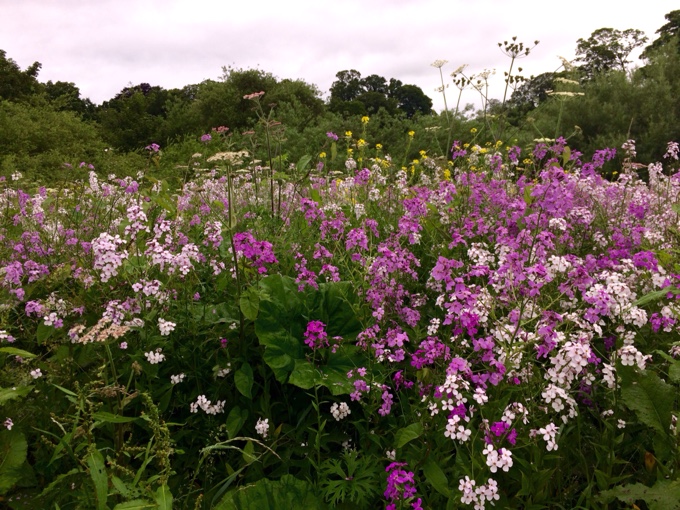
{"points": [[452, 317]]}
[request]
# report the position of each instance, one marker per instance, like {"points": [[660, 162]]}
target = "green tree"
{"points": [[667, 34], [608, 49], [16, 84]]}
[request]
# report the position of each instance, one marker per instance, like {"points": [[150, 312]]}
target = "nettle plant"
{"points": [[497, 331]]}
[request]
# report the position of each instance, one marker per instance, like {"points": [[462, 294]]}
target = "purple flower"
{"points": [[332, 136], [316, 336], [154, 147], [206, 137]]}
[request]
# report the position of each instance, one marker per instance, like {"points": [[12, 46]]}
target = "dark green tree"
{"points": [[412, 100], [608, 49], [16, 84], [667, 33]]}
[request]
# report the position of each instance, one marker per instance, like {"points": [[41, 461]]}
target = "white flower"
{"points": [[262, 427], [36, 374], [340, 411], [176, 379], [391, 454], [154, 357], [9, 424], [166, 327]]}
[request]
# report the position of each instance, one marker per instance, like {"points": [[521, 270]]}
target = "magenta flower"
{"points": [[206, 137], [316, 336]]}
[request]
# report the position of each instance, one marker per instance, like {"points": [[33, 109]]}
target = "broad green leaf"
{"points": [[43, 333], [436, 477], [653, 296], [13, 449], [407, 434], [651, 399], [95, 464], [663, 495], [249, 453], [243, 378], [17, 352], [164, 498], [7, 394], [250, 303], [235, 421], [303, 163], [287, 493], [674, 372]]}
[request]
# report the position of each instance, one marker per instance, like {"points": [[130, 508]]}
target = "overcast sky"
{"points": [[104, 45]]}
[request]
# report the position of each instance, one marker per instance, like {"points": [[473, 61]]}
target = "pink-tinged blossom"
{"points": [[257, 252], [315, 336], [107, 258]]}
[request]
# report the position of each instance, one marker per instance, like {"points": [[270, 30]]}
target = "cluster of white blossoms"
{"points": [[498, 459], [207, 406], [262, 427], [630, 356], [480, 495], [176, 379], [166, 327], [155, 357], [340, 411], [549, 433]]}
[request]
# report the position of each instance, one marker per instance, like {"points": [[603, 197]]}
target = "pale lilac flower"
{"points": [[8, 424], [262, 427], [176, 379], [36, 374], [166, 327], [341, 411]]}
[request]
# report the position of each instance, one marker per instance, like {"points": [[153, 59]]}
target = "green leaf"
{"points": [[250, 303], [7, 394], [674, 372], [95, 464], [653, 296], [235, 421], [303, 163], [566, 155], [651, 399], [43, 333], [17, 352], [407, 434], [164, 498], [249, 453], [287, 493], [106, 417], [663, 495], [436, 477], [13, 450], [137, 504], [243, 378]]}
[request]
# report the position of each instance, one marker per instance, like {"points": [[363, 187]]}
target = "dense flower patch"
{"points": [[499, 330]]}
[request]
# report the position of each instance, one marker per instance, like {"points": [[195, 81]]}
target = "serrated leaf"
{"points": [[95, 464], [436, 477], [407, 434], [164, 498], [651, 399], [243, 378], [663, 495]]}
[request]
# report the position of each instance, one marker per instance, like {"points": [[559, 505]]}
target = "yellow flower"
{"points": [[322, 155], [466, 145], [527, 161], [473, 130], [447, 174], [378, 146], [415, 162], [483, 150], [361, 143], [423, 154], [364, 119], [499, 143], [348, 134], [411, 134], [350, 151]]}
